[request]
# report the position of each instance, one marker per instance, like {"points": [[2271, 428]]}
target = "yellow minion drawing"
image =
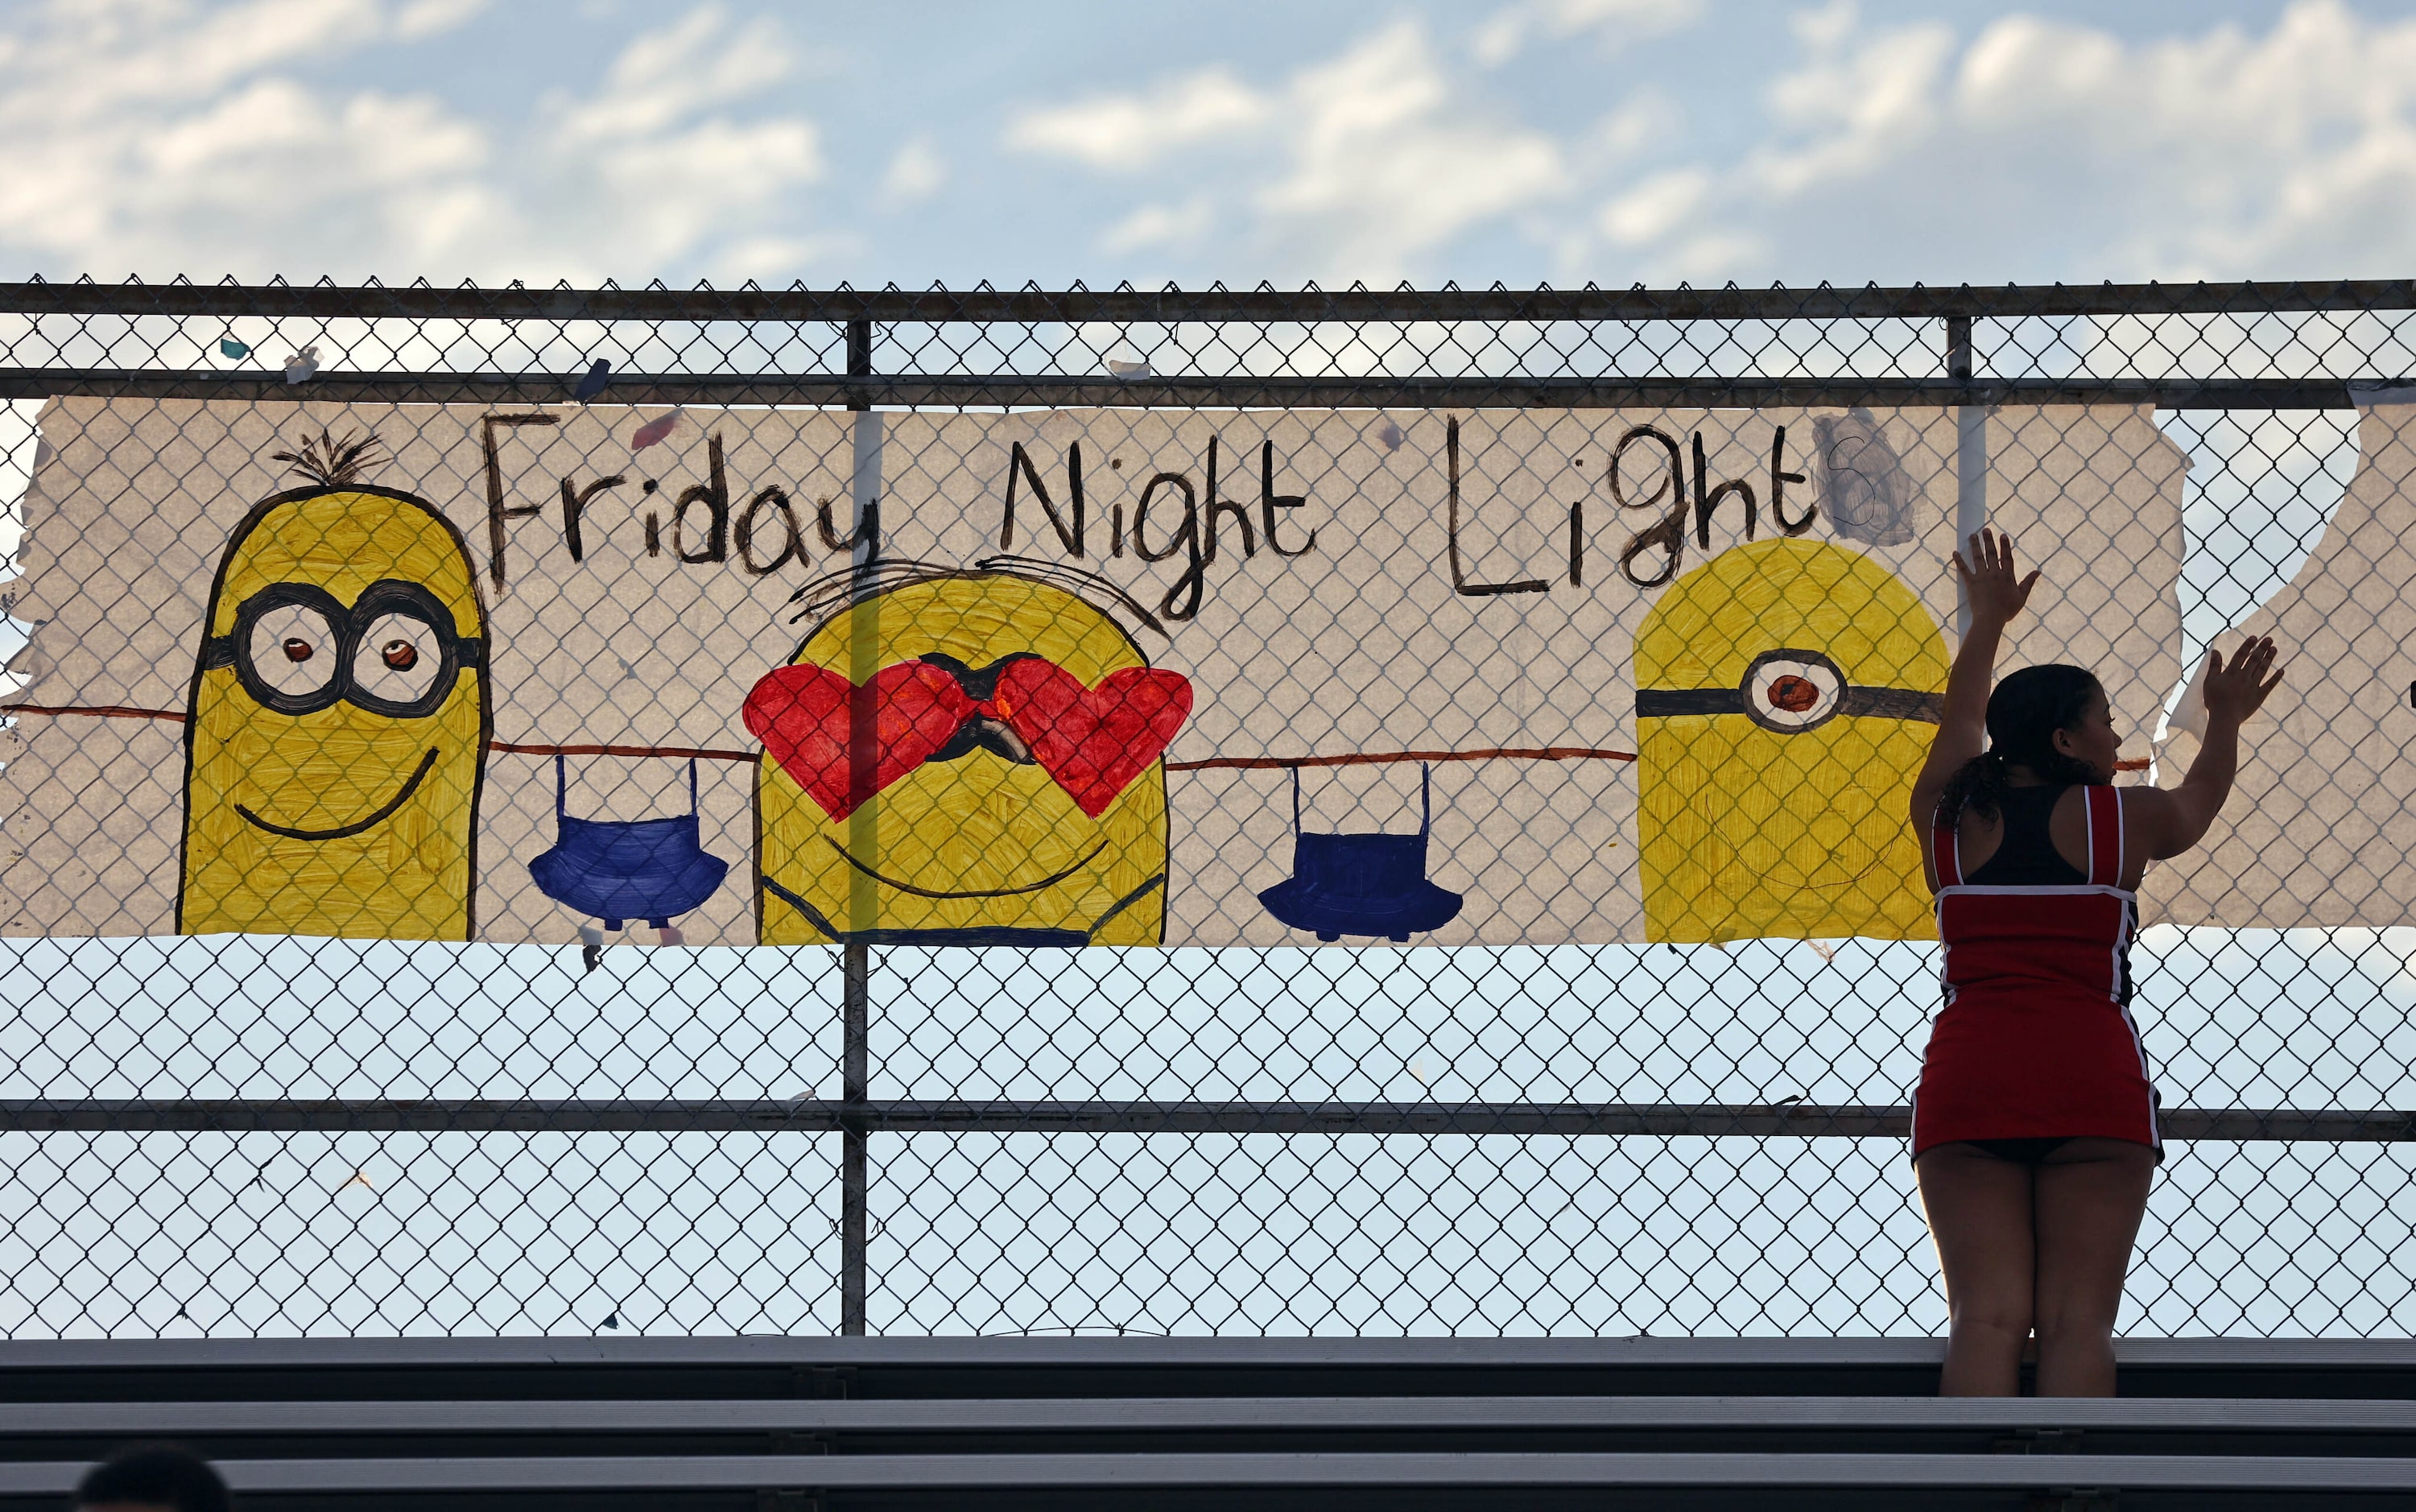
{"points": [[1786, 691], [964, 758], [338, 724]]}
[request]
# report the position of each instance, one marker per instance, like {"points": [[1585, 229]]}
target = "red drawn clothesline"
{"points": [[1222, 763], [704, 754], [1372, 758], [104, 711]]}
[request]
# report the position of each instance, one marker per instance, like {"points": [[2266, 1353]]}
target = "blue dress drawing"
{"points": [[620, 869], [1366, 885]]}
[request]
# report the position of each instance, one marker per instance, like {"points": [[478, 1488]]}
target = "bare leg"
{"points": [[2090, 1194], [1979, 1210]]}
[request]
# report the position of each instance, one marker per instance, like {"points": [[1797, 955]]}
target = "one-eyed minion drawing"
{"points": [[965, 757], [1787, 692], [339, 723]]}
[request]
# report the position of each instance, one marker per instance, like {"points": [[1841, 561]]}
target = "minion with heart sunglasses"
{"points": [[964, 757], [336, 736]]}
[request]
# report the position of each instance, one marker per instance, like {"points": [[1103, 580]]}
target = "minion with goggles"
{"points": [[964, 757], [338, 724], [1787, 692]]}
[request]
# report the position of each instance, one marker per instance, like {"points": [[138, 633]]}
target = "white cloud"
{"points": [[775, 259], [915, 173], [1850, 110], [666, 76], [1614, 23], [1179, 226], [205, 137], [1825, 28], [2040, 149], [1644, 119], [1354, 167], [162, 136], [642, 170], [1388, 160], [99, 56], [430, 18], [1132, 132], [1656, 207]]}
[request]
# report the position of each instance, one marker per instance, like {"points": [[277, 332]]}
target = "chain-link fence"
{"points": [[1583, 1112]]}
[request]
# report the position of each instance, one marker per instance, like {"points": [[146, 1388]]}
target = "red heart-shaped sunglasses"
{"points": [[1090, 741]]}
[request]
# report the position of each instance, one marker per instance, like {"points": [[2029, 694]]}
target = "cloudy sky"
{"points": [[1286, 140]]}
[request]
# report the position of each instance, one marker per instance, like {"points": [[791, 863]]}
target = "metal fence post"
{"points": [[855, 1011], [856, 969], [1970, 454]]}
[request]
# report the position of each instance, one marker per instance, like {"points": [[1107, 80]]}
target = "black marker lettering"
{"points": [[1018, 466], [1140, 517], [1778, 481], [1706, 503], [868, 530], [715, 496], [1270, 501], [574, 508], [1669, 535], [1181, 600], [1217, 506], [1459, 582], [496, 511], [793, 544]]}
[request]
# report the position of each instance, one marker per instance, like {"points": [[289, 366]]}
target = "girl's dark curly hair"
{"points": [[2024, 713]]}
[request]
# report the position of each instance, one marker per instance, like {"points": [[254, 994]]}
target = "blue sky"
{"points": [[1520, 140]]}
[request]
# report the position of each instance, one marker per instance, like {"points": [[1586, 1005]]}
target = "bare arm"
{"points": [[2170, 822], [1995, 596]]}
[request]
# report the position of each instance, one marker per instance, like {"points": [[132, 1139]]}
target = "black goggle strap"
{"points": [[1856, 700], [468, 651]]}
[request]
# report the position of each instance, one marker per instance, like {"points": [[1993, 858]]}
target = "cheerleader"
{"points": [[2034, 1128]]}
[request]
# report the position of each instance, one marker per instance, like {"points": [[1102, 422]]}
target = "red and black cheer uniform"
{"points": [[2035, 1043]]}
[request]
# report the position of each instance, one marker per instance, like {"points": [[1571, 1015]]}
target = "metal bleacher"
{"points": [[787, 1424]]}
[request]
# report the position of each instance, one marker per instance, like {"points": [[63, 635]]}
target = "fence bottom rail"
{"points": [[810, 1115]]}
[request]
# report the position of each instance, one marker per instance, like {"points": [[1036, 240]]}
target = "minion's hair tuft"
{"points": [[329, 463]]}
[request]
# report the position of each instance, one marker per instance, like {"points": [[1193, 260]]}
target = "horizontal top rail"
{"points": [[812, 1115], [1206, 391], [981, 305]]}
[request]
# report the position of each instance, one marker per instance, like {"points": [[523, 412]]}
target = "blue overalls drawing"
{"points": [[1370, 885], [621, 870]]}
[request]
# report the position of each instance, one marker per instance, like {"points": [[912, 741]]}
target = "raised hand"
{"points": [[1995, 595], [2236, 691]]}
